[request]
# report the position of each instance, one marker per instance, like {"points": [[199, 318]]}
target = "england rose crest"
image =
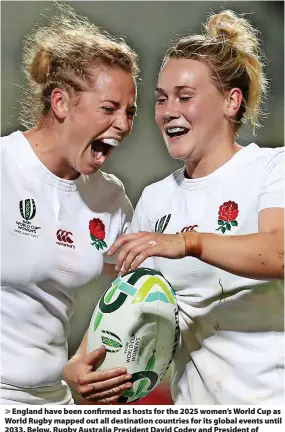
{"points": [[228, 213], [97, 233]]}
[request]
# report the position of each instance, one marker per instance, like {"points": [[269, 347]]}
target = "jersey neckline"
{"points": [[201, 182]]}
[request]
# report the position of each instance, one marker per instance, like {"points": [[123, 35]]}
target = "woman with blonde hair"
{"points": [[56, 228], [215, 228]]}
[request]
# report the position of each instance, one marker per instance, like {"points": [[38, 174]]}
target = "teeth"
{"points": [[111, 142], [175, 129]]}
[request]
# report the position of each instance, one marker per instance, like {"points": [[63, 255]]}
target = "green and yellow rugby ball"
{"points": [[136, 320]]}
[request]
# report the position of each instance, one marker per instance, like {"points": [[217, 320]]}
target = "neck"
{"points": [[46, 144], [211, 161]]}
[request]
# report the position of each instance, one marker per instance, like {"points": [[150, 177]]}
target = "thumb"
{"points": [[96, 357]]}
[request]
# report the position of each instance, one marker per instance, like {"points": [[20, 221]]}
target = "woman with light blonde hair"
{"points": [[215, 228], [56, 228]]}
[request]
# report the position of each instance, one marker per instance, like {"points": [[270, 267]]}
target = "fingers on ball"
{"points": [[113, 392]]}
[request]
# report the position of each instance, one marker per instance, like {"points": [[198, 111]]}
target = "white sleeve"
{"points": [[140, 222], [127, 212], [272, 193]]}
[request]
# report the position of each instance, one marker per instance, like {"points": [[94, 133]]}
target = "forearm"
{"points": [[256, 256]]}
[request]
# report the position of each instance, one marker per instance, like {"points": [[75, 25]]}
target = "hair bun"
{"points": [[235, 29], [41, 66]]}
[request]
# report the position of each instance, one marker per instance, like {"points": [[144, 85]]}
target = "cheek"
{"points": [[213, 108], [158, 116], [80, 119], [194, 111], [203, 114]]}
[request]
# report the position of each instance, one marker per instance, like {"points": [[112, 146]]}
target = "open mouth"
{"points": [[174, 132], [100, 149]]}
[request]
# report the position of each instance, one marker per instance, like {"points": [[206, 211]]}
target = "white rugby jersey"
{"points": [[232, 344], [55, 234]]}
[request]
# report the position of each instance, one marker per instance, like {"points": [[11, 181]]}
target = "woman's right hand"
{"points": [[103, 387]]}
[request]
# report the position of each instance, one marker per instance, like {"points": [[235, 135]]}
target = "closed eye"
{"points": [[185, 98], [160, 100], [131, 114], [108, 109]]}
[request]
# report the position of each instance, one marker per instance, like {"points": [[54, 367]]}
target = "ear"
{"points": [[233, 102], [59, 100]]}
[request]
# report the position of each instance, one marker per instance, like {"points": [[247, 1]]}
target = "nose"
{"points": [[170, 112], [123, 123]]}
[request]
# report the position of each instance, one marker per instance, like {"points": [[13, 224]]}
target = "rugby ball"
{"points": [[136, 319]]}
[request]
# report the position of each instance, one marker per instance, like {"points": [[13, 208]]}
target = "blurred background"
{"points": [[148, 27]]}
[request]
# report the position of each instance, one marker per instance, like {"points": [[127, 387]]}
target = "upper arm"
{"points": [[271, 220]]}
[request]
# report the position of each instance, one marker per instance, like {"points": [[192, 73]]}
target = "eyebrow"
{"points": [[112, 102], [177, 88], [159, 90]]}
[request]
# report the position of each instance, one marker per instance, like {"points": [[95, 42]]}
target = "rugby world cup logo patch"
{"points": [[27, 209], [111, 341], [161, 224]]}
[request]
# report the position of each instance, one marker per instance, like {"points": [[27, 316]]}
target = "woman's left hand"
{"points": [[135, 248]]}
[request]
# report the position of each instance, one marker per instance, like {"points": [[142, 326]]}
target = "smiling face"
{"points": [[189, 109], [96, 121]]}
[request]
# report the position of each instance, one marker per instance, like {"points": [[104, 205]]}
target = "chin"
{"points": [[88, 170], [178, 154], [179, 150]]}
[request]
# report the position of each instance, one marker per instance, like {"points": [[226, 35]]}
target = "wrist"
{"points": [[193, 243]]}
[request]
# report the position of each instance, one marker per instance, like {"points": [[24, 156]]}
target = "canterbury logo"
{"points": [[189, 228], [162, 223], [27, 209], [64, 236]]}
